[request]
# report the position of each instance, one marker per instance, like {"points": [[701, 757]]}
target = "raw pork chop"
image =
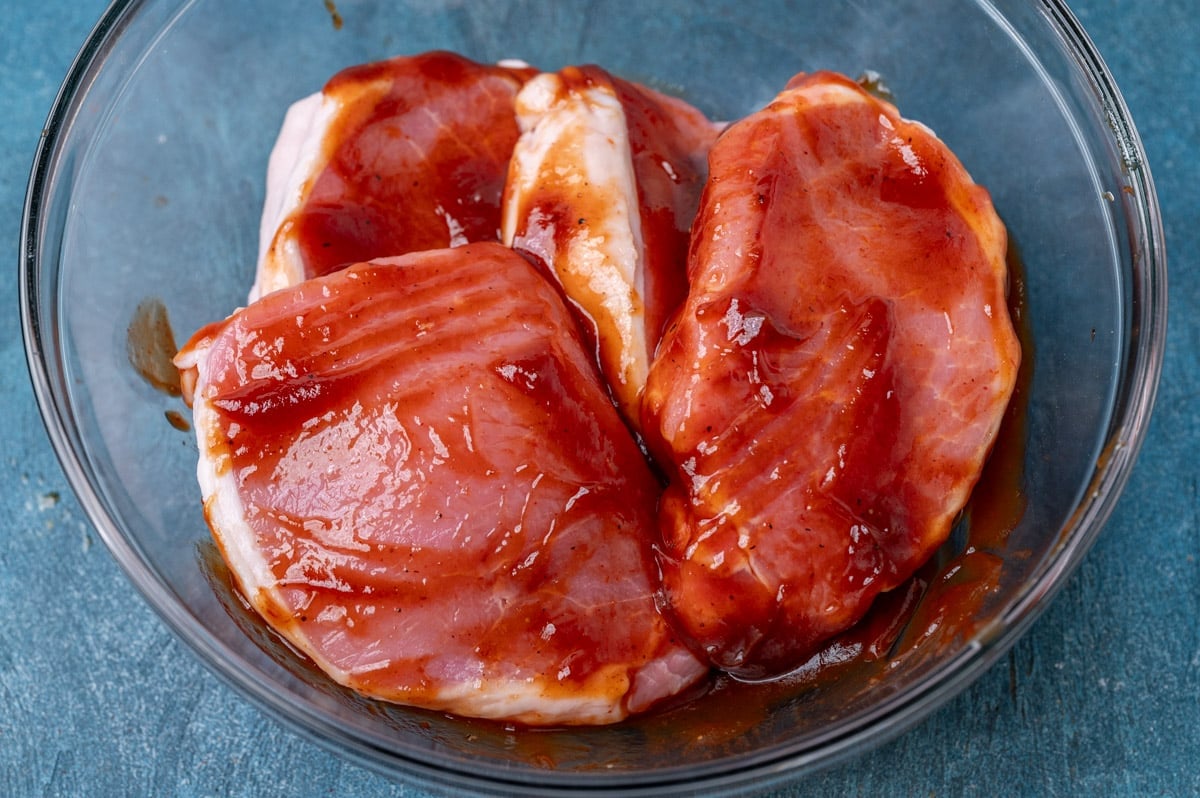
{"points": [[827, 396], [391, 157], [603, 187], [416, 476]]}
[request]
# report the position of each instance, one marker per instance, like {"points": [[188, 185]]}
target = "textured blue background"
{"points": [[1102, 697]]}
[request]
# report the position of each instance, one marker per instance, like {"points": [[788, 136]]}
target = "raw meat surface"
{"points": [[603, 187], [416, 476], [827, 396], [391, 157]]}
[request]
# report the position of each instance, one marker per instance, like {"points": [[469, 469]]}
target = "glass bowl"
{"points": [[146, 193]]}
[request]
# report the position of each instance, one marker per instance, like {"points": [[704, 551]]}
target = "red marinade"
{"points": [[416, 160], [446, 500]]}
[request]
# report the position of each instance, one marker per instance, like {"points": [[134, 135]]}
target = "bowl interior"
{"points": [[150, 189]]}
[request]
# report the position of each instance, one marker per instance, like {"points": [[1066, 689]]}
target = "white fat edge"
{"points": [[589, 123], [295, 159], [227, 520], [828, 93], [532, 701], [608, 696], [665, 676], [282, 268], [531, 105]]}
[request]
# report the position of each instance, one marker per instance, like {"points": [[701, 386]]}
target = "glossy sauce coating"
{"points": [[417, 478], [828, 394], [412, 157], [603, 186]]}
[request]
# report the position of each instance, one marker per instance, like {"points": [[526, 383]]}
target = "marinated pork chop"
{"points": [[377, 468], [391, 157], [603, 187], [828, 394]]}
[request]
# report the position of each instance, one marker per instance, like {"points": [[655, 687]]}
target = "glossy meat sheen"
{"points": [[603, 186], [391, 157], [416, 476], [827, 396]]}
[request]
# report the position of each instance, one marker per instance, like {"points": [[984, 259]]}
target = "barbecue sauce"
{"points": [[150, 346], [384, 428], [938, 606], [415, 160]]}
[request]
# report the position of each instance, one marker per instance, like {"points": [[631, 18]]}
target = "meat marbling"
{"points": [[826, 398], [416, 476]]}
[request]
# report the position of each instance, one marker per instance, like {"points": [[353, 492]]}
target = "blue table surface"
{"points": [[1101, 697]]}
